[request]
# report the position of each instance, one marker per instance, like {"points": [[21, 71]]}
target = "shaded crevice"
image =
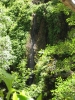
{"points": [[38, 41], [31, 62]]}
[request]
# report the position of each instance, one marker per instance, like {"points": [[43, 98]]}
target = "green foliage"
{"points": [[6, 57], [21, 15], [54, 61], [15, 24], [40, 97], [63, 52], [71, 20], [21, 76], [7, 3], [8, 80], [65, 89], [71, 33], [5, 21], [21, 96], [6, 52], [35, 89], [54, 15]]}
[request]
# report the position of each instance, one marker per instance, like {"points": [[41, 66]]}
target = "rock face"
{"points": [[70, 4], [37, 41]]}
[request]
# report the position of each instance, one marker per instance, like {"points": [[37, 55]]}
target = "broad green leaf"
{"points": [[21, 97], [1, 94], [9, 93], [15, 96], [40, 97], [7, 78]]}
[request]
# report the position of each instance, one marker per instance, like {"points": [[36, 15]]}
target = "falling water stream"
{"points": [[31, 63]]}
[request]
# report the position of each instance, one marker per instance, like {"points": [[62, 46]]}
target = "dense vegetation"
{"points": [[43, 32]]}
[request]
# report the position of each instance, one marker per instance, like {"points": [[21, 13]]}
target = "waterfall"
{"points": [[37, 41], [31, 62]]}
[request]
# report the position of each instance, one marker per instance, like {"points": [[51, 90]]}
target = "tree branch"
{"points": [[70, 4]]}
